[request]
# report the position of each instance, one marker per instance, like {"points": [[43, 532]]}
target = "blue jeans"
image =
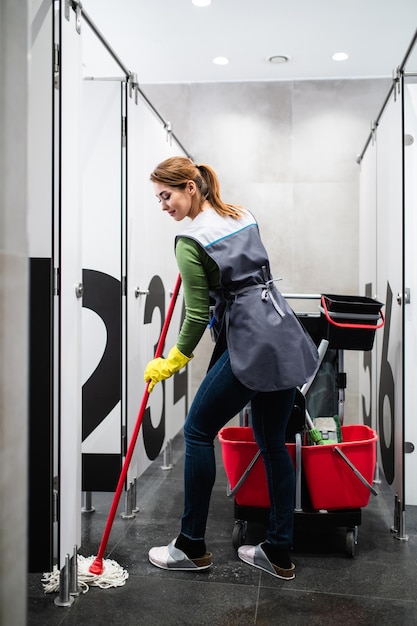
{"points": [[219, 398]]}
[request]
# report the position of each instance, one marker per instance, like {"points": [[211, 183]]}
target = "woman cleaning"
{"points": [[262, 353]]}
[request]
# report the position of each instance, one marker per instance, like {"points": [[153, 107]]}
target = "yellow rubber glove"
{"points": [[159, 369]]}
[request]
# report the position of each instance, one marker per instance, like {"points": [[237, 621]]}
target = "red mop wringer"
{"points": [[97, 571]]}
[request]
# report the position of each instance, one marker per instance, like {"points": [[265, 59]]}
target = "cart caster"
{"points": [[351, 541], [239, 533]]}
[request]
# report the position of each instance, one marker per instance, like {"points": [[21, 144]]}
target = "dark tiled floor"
{"points": [[376, 587]]}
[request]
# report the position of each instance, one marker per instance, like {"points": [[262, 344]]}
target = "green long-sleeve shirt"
{"points": [[199, 274]]}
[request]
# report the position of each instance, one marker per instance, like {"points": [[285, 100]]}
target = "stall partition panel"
{"points": [[69, 287], [152, 273], [410, 287], [389, 287], [40, 525], [368, 375], [102, 408]]}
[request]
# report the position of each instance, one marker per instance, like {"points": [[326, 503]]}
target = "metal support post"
{"points": [[167, 465], [134, 496], [64, 598], [128, 514], [88, 507], [377, 479], [398, 528], [74, 588]]}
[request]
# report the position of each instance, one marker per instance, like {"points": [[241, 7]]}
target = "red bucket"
{"points": [[332, 484], [238, 450]]}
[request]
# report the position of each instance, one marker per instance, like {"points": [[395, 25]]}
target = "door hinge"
{"points": [[124, 440], [57, 286], [56, 65], [124, 130], [124, 285], [396, 78], [55, 506], [404, 298]]}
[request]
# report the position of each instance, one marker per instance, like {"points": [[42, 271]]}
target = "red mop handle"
{"points": [[97, 565]]}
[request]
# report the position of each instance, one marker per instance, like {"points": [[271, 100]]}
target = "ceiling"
{"points": [[172, 41]]}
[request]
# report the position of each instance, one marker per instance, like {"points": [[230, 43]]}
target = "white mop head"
{"points": [[113, 575]]}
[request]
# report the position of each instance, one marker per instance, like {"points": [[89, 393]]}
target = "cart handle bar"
{"points": [[348, 325]]}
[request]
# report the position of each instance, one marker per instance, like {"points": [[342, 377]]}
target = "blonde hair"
{"points": [[177, 171]]}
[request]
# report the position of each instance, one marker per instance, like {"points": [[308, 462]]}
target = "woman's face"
{"points": [[177, 202]]}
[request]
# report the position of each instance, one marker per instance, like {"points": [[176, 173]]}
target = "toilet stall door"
{"points": [[39, 228], [389, 150], [152, 273], [102, 315], [69, 286], [410, 286]]}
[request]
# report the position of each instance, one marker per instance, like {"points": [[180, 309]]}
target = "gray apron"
{"points": [[269, 348]]}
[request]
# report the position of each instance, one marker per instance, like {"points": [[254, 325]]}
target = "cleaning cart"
{"points": [[334, 475]]}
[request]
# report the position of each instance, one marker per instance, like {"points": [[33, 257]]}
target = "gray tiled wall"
{"points": [[287, 151]]}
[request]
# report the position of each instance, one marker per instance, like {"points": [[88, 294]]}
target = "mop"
{"points": [[97, 571], [313, 432]]}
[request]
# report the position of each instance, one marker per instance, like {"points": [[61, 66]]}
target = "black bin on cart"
{"points": [[350, 322]]}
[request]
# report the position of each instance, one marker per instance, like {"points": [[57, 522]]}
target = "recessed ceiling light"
{"points": [[201, 3], [221, 60], [340, 56], [277, 59]]}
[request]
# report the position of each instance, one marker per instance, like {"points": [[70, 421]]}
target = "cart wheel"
{"points": [[351, 541], [239, 533]]}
